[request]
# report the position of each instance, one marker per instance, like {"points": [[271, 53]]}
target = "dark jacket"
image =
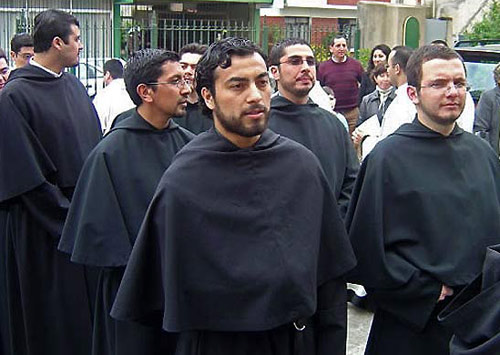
{"points": [[370, 106], [486, 123]]}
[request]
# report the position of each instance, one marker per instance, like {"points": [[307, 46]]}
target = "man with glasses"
{"points": [[114, 190], [21, 49], [296, 116], [425, 206], [242, 250]]}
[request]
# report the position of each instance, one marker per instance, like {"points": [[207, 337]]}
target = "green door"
{"points": [[411, 32]]}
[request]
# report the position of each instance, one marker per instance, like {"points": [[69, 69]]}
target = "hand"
{"points": [[445, 292], [357, 136]]}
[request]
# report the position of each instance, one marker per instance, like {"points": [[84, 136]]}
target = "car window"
{"points": [[480, 76]]}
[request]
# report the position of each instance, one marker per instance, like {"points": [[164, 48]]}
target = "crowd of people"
{"points": [[218, 217]]}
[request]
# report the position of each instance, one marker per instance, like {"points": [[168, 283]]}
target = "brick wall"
{"points": [[322, 27]]}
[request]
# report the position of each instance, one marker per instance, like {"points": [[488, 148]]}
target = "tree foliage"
{"points": [[489, 26]]}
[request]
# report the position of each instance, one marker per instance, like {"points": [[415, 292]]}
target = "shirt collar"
{"points": [[35, 64]]}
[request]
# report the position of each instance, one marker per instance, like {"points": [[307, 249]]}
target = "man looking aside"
{"points": [[113, 99], [115, 187], [234, 253], [343, 75], [425, 206], [48, 126], [294, 115]]}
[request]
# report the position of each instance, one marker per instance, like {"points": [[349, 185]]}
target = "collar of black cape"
{"points": [[136, 122], [280, 101], [417, 129], [34, 73], [221, 143]]}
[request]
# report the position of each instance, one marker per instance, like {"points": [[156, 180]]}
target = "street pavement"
{"points": [[359, 322]]}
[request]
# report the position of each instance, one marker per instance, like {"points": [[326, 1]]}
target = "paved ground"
{"points": [[358, 327]]}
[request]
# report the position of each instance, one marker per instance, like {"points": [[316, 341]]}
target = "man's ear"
{"points": [[57, 42], [144, 91], [208, 97], [413, 94], [275, 72]]}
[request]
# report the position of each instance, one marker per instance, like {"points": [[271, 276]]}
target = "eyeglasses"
{"points": [[179, 83], [446, 86], [299, 61]]}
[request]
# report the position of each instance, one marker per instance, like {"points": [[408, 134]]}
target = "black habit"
{"points": [[113, 192], [423, 211], [321, 132], [48, 126], [238, 244], [474, 314], [195, 120]]}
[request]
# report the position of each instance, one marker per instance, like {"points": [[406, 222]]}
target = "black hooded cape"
{"points": [[48, 126], [195, 120], [321, 132], [235, 244], [113, 192], [474, 314], [424, 209]]}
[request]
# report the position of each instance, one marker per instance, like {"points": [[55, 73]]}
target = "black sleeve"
{"points": [[413, 302], [351, 172], [48, 206], [331, 318]]}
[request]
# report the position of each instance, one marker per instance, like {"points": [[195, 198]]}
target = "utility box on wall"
{"points": [[438, 29], [386, 23]]}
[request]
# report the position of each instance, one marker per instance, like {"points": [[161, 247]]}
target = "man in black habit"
{"points": [[195, 120], [425, 207], [296, 116], [115, 188], [242, 250], [48, 126], [474, 314]]}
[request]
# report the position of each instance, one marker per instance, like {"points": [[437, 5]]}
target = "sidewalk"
{"points": [[359, 322]]}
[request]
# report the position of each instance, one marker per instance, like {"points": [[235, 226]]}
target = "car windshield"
{"points": [[480, 76]]}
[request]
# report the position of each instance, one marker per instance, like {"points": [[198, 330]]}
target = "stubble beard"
{"points": [[236, 125]]}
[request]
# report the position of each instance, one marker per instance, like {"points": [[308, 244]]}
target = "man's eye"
{"points": [[438, 85]]}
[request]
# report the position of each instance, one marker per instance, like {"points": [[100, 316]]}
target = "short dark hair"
{"points": [[219, 55], [439, 42], [50, 24], [379, 70], [425, 54], [337, 36], [20, 40], [114, 67], [196, 48], [401, 56], [278, 49], [3, 55], [381, 47], [144, 66]]}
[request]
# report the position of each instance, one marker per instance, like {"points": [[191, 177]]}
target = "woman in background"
{"points": [[378, 56]]}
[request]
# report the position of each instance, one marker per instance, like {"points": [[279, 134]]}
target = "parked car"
{"points": [[480, 57], [91, 74]]}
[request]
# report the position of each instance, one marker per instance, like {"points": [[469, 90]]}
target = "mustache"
{"points": [[257, 107]]}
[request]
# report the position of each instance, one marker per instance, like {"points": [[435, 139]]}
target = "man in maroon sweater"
{"points": [[343, 75]]}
